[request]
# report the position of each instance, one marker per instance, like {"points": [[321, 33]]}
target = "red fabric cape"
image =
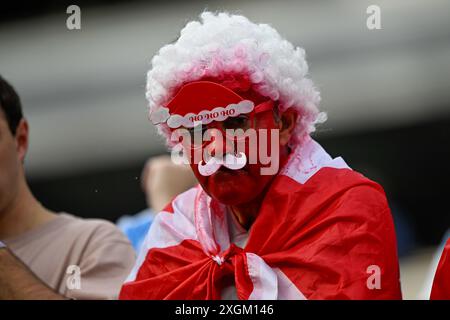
{"points": [[320, 230], [441, 282]]}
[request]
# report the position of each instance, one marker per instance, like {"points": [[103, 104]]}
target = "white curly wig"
{"points": [[220, 46]]}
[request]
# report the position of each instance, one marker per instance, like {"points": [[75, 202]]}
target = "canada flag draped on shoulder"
{"points": [[441, 283], [322, 230]]}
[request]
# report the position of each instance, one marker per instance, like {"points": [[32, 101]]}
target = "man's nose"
{"points": [[219, 145]]}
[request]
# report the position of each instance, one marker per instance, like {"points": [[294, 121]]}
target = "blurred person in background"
{"points": [[44, 255], [161, 181], [307, 228]]}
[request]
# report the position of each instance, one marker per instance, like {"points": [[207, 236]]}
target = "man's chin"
{"points": [[228, 199], [231, 188]]}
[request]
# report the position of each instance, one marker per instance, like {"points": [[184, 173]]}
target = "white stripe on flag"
{"points": [[168, 229], [286, 289], [265, 283], [268, 283], [308, 159]]}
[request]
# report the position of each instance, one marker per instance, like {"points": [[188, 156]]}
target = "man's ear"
{"points": [[21, 138], [288, 121]]}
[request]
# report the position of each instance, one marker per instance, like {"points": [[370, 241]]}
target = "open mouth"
{"points": [[227, 170]]}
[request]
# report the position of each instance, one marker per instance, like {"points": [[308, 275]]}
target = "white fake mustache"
{"points": [[230, 161]]}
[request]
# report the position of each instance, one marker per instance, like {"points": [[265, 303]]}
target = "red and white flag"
{"points": [[441, 282], [323, 232]]}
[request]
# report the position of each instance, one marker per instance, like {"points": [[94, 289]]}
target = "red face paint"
{"points": [[230, 187], [233, 187]]}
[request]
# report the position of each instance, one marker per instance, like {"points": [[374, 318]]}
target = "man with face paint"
{"points": [[224, 149], [274, 216]]}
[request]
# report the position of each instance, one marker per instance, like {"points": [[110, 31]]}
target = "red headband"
{"points": [[203, 101]]}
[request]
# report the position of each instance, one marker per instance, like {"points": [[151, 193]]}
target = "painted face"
{"points": [[233, 144], [233, 187]]}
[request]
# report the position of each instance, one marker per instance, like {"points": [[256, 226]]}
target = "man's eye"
{"points": [[197, 129], [236, 122]]}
